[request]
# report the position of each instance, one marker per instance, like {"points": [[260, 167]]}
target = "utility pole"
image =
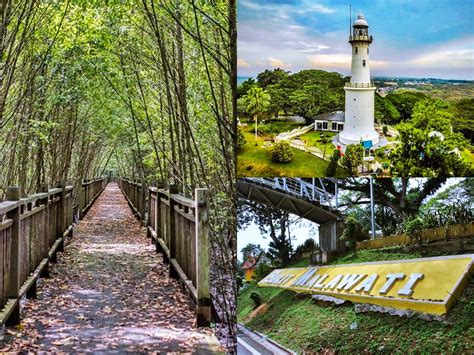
{"points": [[372, 214]]}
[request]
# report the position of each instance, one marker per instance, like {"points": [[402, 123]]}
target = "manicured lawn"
{"points": [[468, 156], [256, 161], [301, 325], [274, 126], [313, 139]]}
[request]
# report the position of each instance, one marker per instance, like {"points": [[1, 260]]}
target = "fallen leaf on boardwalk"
{"points": [[65, 341], [109, 291]]}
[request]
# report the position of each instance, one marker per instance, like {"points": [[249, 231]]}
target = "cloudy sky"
{"points": [[414, 38]]}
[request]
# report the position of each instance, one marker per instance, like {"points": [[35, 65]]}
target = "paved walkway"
{"points": [[110, 292]]}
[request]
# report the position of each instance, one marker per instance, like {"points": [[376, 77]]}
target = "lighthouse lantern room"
{"points": [[359, 92]]}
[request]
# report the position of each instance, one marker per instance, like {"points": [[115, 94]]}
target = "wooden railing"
{"points": [[136, 196], [91, 189], [179, 228], [32, 231]]}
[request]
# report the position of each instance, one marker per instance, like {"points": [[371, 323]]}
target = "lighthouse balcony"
{"points": [[359, 85], [360, 38]]}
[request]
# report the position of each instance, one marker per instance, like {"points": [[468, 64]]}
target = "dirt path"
{"points": [[109, 292]]}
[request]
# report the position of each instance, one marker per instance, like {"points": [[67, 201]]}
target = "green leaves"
{"points": [[256, 100], [429, 147]]}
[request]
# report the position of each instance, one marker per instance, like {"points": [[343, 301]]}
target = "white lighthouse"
{"points": [[359, 111]]}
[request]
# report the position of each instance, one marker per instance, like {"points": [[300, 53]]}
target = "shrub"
{"points": [[331, 169], [353, 157], [309, 245], [261, 271], [239, 281], [263, 130], [413, 226], [385, 130], [240, 139], [380, 153], [282, 152], [354, 232], [256, 298]]}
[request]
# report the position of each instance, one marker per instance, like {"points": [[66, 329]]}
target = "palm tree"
{"points": [[257, 101]]}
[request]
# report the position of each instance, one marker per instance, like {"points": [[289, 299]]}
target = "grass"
{"points": [[301, 325], [256, 161], [313, 139], [274, 125], [364, 256], [282, 126], [468, 156]]}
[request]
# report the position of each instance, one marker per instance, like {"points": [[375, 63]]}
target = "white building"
{"points": [[359, 103], [331, 121]]}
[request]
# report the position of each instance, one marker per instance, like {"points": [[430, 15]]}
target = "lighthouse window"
{"points": [[367, 50], [357, 50], [363, 63]]}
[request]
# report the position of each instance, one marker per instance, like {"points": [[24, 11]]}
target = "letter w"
{"points": [[349, 281]]}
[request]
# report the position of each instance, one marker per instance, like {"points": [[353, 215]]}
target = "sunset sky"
{"points": [[419, 38]]}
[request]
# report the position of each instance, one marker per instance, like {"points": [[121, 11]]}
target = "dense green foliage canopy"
{"points": [[429, 146], [140, 88]]}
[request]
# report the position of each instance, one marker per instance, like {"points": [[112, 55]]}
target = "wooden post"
{"points": [[148, 223], [44, 189], [172, 230], [82, 200], [143, 203], [203, 304], [157, 216], [62, 215], [13, 290]]}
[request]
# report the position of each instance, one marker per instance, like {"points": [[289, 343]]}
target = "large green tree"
{"points": [[404, 102], [385, 111], [429, 147], [463, 118], [271, 77]]}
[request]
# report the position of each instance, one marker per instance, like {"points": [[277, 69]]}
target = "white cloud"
{"points": [[285, 9], [242, 63], [442, 58], [321, 9], [278, 63], [340, 62]]}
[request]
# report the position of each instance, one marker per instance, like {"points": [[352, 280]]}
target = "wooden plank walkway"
{"points": [[109, 291]]}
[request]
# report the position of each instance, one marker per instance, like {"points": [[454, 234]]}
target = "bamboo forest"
{"points": [[116, 134]]}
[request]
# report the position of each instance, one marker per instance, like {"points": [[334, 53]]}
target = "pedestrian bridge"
{"points": [[314, 199], [99, 284]]}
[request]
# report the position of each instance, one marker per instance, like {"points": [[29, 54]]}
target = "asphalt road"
{"points": [[251, 343]]}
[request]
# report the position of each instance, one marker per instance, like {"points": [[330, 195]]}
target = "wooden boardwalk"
{"points": [[109, 291]]}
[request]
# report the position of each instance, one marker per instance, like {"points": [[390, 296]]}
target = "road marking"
{"points": [[247, 346]]}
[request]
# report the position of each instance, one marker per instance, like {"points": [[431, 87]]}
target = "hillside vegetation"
{"points": [[299, 324]]}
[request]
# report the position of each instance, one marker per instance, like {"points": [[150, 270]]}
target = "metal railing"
{"points": [[313, 189], [359, 85], [361, 38]]}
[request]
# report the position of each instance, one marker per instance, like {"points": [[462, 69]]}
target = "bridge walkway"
{"points": [[109, 291]]}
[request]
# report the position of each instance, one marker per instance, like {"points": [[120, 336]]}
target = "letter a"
{"points": [[368, 284]]}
